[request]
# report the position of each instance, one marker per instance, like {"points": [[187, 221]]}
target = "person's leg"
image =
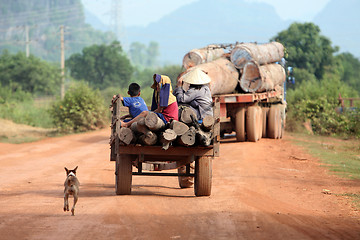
{"points": [[128, 124]]}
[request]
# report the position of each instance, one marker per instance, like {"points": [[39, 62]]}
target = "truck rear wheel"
{"points": [[203, 176], [282, 118], [273, 122], [265, 112], [252, 123], [123, 174], [240, 124], [259, 124], [184, 182]]}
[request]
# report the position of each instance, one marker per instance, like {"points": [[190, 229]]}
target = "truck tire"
{"points": [[203, 176], [265, 112], [282, 120], [123, 174], [280, 128], [252, 124], [240, 124], [259, 122], [185, 182], [273, 122]]}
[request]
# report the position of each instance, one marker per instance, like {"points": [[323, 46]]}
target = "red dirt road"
{"points": [[265, 190]]}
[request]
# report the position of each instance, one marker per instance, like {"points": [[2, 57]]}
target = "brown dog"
{"points": [[71, 188]]}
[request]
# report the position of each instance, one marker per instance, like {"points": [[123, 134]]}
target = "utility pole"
{"points": [[27, 42], [116, 21], [62, 47]]}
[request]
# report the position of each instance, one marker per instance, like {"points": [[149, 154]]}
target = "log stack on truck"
{"points": [[249, 83]]}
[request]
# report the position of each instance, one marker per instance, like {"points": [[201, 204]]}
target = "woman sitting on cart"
{"points": [[193, 91]]}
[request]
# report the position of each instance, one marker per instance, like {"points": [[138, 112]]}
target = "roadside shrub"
{"points": [[321, 112], [354, 122], [82, 109]]}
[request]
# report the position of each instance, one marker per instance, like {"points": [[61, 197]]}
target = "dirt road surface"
{"points": [[265, 190]]}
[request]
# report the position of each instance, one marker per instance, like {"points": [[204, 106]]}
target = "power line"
{"points": [[40, 14]]}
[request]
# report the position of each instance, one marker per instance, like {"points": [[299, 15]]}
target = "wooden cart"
{"points": [[190, 162]]}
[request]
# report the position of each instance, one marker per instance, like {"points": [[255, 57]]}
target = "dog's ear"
{"points": [[67, 171], [75, 169]]}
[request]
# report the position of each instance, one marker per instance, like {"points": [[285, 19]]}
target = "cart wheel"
{"points": [[123, 174], [252, 124], [259, 121], [203, 176], [240, 124], [265, 112], [273, 122], [185, 182]]}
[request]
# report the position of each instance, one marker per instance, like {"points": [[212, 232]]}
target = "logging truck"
{"points": [[249, 83], [191, 163]]}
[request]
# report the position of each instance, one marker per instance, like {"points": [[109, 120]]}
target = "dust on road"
{"points": [[265, 190]]}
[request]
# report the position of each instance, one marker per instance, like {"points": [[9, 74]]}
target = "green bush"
{"points": [[321, 112], [315, 101], [82, 109]]}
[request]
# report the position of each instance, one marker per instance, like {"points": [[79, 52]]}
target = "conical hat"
{"points": [[196, 76]]}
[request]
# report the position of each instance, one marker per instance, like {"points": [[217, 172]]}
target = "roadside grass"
{"points": [[28, 113], [341, 156], [20, 139], [354, 197]]}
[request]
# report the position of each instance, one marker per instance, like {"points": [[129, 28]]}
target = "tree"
{"points": [[30, 74], [351, 70], [101, 66], [137, 53], [307, 48], [144, 57], [152, 54]]}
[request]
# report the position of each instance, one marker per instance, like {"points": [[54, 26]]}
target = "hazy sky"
{"points": [[143, 12]]}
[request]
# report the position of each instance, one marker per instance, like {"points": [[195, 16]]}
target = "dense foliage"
{"points": [[82, 109], [307, 48], [350, 70], [320, 78], [29, 74], [101, 66]]}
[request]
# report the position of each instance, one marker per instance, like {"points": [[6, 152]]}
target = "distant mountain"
{"points": [[43, 19], [340, 21], [206, 22], [94, 21]]}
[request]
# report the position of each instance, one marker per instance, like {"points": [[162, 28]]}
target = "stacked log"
{"points": [[260, 53], [151, 130], [202, 55], [223, 74], [256, 78], [251, 67]]}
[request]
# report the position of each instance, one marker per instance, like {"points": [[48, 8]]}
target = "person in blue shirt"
{"points": [[135, 103]]}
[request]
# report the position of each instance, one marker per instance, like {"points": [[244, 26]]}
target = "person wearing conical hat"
{"points": [[193, 89]]}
